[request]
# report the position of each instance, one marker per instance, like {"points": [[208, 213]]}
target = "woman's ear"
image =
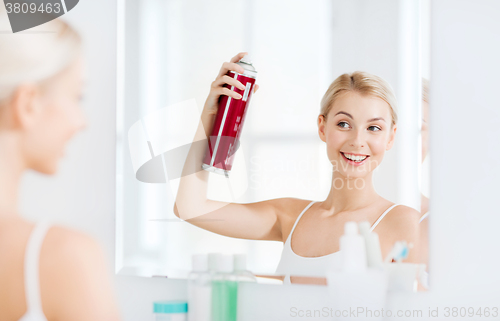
{"points": [[25, 105], [321, 127], [392, 137]]}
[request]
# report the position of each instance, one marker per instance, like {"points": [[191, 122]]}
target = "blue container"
{"points": [[170, 310]]}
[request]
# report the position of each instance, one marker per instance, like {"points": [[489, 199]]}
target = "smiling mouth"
{"points": [[355, 158]]}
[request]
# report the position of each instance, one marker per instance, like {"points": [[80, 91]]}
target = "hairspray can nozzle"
{"points": [[247, 59]]}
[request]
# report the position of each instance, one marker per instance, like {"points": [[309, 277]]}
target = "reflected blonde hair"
{"points": [[363, 83], [35, 54]]}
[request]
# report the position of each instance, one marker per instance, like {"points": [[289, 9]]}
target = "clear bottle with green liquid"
{"points": [[224, 290]]}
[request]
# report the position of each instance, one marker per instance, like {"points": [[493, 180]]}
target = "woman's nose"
{"points": [[357, 140]]}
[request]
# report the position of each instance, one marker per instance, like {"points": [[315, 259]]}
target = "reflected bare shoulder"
{"points": [[400, 224], [288, 209]]}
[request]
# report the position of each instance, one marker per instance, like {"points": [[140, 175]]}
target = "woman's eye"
{"points": [[342, 122], [376, 128]]}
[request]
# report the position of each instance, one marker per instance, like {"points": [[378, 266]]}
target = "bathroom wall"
{"points": [[464, 216]]}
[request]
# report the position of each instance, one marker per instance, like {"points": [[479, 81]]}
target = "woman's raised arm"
{"points": [[256, 221]]}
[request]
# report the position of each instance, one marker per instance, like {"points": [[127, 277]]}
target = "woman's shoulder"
{"points": [[287, 210], [58, 234], [72, 265], [401, 218], [290, 207], [58, 243], [66, 256], [56, 237], [68, 246], [401, 224], [405, 212]]}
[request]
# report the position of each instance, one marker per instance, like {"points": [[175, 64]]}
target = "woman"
{"points": [[358, 122], [46, 272]]}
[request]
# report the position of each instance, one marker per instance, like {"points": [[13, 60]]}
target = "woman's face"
{"points": [[357, 127], [57, 119]]}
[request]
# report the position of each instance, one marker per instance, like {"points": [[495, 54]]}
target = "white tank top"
{"points": [[293, 264], [31, 273]]}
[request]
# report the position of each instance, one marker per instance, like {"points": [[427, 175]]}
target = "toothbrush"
{"points": [[398, 252]]}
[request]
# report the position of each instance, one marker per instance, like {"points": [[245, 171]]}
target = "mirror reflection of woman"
{"points": [[357, 120]]}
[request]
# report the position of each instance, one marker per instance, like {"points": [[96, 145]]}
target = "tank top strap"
{"points": [[423, 217], [382, 216], [31, 267], [297, 220]]}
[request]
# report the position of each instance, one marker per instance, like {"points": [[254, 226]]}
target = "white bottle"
{"points": [[372, 243], [240, 269], [213, 262], [352, 249], [199, 289]]}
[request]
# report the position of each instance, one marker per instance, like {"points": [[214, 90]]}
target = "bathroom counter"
{"points": [[256, 301], [299, 302]]}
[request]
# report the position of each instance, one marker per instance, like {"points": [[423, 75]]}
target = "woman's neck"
{"points": [[11, 169], [348, 193]]}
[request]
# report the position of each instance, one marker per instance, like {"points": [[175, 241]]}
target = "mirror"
{"points": [[169, 54]]}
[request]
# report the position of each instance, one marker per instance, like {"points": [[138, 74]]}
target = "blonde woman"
{"points": [[47, 272], [358, 123]]}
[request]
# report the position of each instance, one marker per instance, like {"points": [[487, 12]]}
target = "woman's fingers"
{"points": [[222, 78], [230, 66], [239, 56], [255, 88], [228, 80], [228, 92]]}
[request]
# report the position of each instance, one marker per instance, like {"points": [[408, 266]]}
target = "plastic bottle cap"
{"points": [[364, 227], [240, 262], [246, 59], [350, 228], [225, 263], [213, 261], [199, 262], [170, 307]]}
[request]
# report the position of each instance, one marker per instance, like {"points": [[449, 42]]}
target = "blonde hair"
{"points": [[363, 83], [36, 54]]}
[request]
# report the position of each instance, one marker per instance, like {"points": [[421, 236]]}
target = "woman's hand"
{"points": [[217, 88]]}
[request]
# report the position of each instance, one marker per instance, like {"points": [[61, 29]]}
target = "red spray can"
{"points": [[224, 139]]}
